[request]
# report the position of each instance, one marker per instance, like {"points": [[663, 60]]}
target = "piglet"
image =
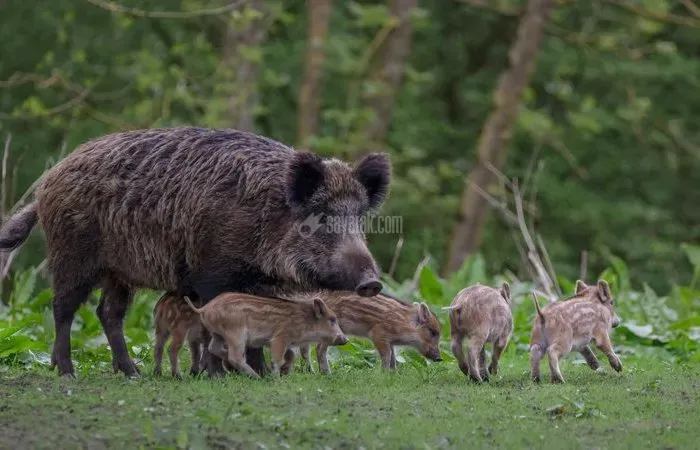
{"points": [[571, 324], [237, 321], [386, 321], [173, 318], [482, 315]]}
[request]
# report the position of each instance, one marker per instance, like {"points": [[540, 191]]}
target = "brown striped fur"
{"points": [[572, 324], [173, 318], [237, 321], [482, 315], [384, 320]]}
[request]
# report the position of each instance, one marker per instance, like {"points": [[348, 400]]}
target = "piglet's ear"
{"points": [[580, 286], [320, 308], [505, 291], [423, 313], [604, 291], [374, 172], [305, 175]]}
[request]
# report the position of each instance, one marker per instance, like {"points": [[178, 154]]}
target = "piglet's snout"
{"points": [[340, 339], [616, 321]]}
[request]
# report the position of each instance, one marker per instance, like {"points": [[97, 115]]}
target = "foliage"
{"points": [[669, 323], [605, 144]]}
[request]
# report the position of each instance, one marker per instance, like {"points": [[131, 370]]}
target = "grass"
{"points": [[651, 404]]}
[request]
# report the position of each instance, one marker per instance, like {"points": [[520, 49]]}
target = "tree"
{"points": [[387, 70], [319, 13], [240, 60], [496, 134]]}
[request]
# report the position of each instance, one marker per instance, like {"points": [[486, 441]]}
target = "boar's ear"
{"points": [[423, 312], [374, 172], [604, 291], [305, 175], [580, 286], [320, 308], [505, 291]]}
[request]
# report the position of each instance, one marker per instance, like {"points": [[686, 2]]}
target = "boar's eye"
{"points": [[433, 333], [333, 320]]}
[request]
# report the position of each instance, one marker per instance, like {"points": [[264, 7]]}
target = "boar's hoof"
{"points": [[475, 378], [557, 380], [157, 372], [368, 288], [68, 376], [536, 379]]}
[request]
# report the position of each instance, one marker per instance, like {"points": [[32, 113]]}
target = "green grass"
{"points": [[651, 404]]}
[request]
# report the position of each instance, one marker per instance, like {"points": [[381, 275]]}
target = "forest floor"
{"points": [[651, 404]]}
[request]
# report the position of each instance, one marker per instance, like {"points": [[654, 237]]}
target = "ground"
{"points": [[651, 404]]}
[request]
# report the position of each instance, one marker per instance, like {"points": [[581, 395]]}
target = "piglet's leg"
{"points": [[178, 338], [590, 358], [383, 348], [162, 334], [536, 354], [498, 348], [553, 354], [305, 351], [482, 365], [290, 357], [392, 362], [605, 346], [278, 349], [474, 348], [195, 354], [458, 351], [322, 357], [236, 356]]}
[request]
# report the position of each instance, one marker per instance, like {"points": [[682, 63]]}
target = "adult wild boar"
{"points": [[197, 212]]}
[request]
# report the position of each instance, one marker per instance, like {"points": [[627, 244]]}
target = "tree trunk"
{"points": [[388, 69], [497, 133], [319, 13], [240, 62]]}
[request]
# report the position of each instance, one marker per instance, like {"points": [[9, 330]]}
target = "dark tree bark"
{"points": [[496, 134], [319, 13]]}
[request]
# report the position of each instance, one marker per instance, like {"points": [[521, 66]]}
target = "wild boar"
{"points": [[385, 320], [172, 317], [482, 315], [199, 212], [571, 324], [240, 321]]}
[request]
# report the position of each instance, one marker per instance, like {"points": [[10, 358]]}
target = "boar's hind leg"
{"points": [[458, 351], [115, 301], [482, 365], [65, 304], [162, 334], [195, 354], [605, 345], [498, 348], [322, 357], [536, 354]]}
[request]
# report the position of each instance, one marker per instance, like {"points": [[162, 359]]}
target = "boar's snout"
{"points": [[341, 339], [369, 287], [434, 355]]}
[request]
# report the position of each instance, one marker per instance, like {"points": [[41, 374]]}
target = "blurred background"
{"points": [[595, 113]]}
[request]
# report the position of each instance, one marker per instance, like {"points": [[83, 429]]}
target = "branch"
{"points": [[75, 101], [661, 17], [5, 157], [117, 8], [395, 259], [692, 7]]}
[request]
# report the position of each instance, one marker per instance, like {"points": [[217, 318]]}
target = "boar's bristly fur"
{"points": [[197, 212]]}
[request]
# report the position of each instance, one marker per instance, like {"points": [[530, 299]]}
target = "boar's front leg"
{"points": [[235, 354], [162, 334], [392, 362], [115, 301], [290, 357], [590, 358], [305, 351], [482, 365], [474, 347], [553, 354], [605, 345]]}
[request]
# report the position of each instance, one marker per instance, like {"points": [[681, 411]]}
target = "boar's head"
{"points": [[329, 200], [601, 292]]}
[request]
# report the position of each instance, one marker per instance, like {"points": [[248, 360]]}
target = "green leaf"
{"points": [[430, 287]]}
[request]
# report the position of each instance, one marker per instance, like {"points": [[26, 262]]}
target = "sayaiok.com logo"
{"points": [[369, 224]]}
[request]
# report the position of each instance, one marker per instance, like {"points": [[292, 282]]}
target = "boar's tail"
{"points": [[194, 308], [16, 229]]}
